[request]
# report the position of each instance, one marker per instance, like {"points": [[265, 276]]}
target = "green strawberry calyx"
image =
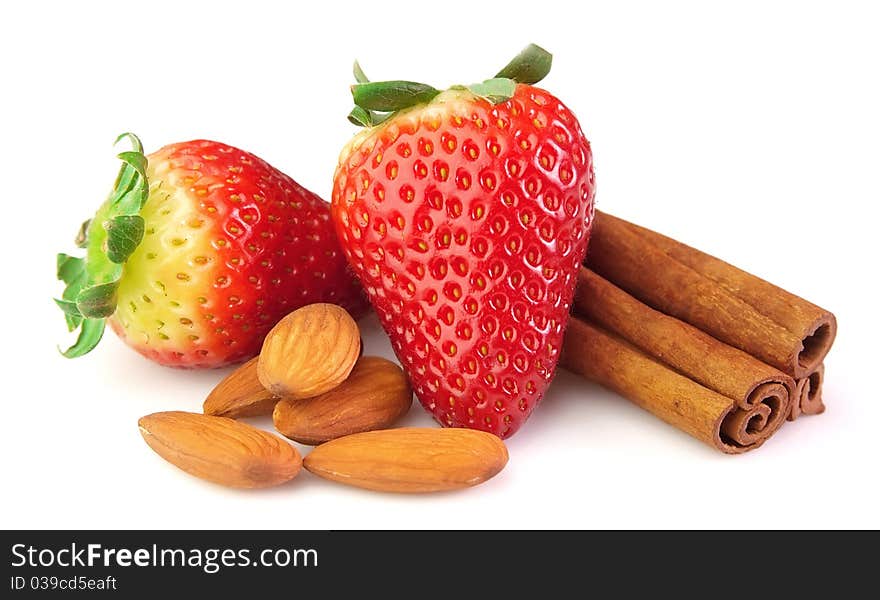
{"points": [[109, 239], [376, 101]]}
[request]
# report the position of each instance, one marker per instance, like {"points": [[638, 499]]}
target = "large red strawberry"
{"points": [[466, 214], [200, 249]]}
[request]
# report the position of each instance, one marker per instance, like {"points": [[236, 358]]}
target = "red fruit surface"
{"points": [[231, 245], [466, 223]]}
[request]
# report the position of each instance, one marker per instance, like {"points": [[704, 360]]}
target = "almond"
{"points": [[240, 394], [410, 459], [374, 396], [220, 450], [310, 351]]}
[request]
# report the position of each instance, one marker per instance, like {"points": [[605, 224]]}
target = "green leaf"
{"points": [[379, 118], [71, 313], [136, 160], [82, 237], [135, 141], [98, 301], [359, 75], [68, 307], [73, 321], [124, 233], [126, 181], [69, 268], [360, 117], [132, 201], [390, 96], [72, 271], [131, 190], [529, 66], [109, 239], [89, 335], [495, 90]]}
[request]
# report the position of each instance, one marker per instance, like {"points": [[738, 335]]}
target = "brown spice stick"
{"points": [[808, 397], [627, 257], [690, 351], [682, 402], [750, 386], [815, 326]]}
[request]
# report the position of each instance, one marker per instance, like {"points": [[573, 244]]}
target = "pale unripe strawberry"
{"points": [[200, 249]]}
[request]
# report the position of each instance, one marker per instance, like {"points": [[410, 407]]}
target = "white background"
{"points": [[749, 129]]}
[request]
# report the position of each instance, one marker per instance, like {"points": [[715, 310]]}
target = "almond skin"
{"points": [[220, 449], [410, 460], [374, 396], [240, 394], [310, 351]]}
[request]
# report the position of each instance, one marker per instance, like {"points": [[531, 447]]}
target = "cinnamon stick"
{"points": [[808, 395], [815, 326], [739, 309], [709, 389]]}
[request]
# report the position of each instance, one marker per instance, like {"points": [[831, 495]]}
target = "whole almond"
{"points": [[310, 351], [240, 394], [221, 450], [374, 396], [410, 459]]}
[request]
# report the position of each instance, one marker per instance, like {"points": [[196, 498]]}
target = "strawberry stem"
{"points": [[361, 117], [529, 66], [109, 239], [359, 75], [377, 101], [390, 96], [496, 90]]}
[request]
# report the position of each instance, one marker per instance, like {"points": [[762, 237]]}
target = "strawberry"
{"points": [[200, 249], [465, 214]]}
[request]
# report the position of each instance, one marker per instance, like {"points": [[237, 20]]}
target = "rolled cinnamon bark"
{"points": [[757, 396], [740, 309], [815, 326], [808, 395], [710, 417]]}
